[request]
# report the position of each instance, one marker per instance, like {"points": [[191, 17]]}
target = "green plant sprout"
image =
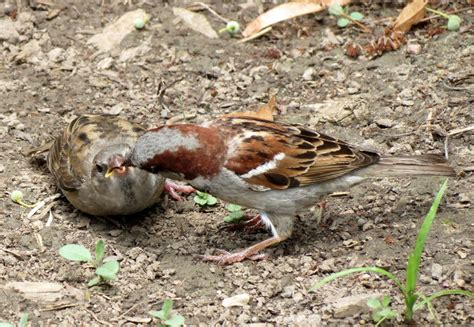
{"points": [[17, 197], [408, 290], [165, 316], [22, 323], [381, 309], [344, 17], [235, 213], [454, 21], [140, 23], [232, 28], [105, 271], [204, 199]]}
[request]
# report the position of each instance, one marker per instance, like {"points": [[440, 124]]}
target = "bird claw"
{"points": [[227, 258], [172, 188]]}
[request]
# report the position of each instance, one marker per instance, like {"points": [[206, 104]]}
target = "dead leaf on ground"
{"points": [[266, 111], [286, 11], [410, 15], [110, 38], [38, 291], [196, 22]]}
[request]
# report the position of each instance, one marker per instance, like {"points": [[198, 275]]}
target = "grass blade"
{"points": [[442, 293], [350, 271], [414, 259]]}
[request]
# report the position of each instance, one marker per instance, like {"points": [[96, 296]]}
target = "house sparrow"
{"points": [[278, 169], [87, 162]]}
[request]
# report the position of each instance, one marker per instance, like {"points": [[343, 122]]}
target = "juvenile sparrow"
{"points": [[86, 161], [278, 169]]}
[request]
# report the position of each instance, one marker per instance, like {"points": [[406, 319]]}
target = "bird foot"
{"points": [[227, 258], [172, 188], [250, 224]]}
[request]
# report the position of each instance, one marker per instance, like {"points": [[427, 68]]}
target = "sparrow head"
{"points": [[110, 161]]}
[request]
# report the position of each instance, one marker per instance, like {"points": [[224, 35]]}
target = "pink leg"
{"points": [[251, 253], [172, 188]]}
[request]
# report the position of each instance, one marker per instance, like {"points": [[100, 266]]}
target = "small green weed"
{"points": [[381, 309], [22, 323], [454, 21], [414, 300], [235, 213], [165, 317], [204, 199], [344, 17], [105, 271], [17, 197], [232, 27]]}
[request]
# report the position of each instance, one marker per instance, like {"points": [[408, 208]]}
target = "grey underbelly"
{"points": [[230, 188]]}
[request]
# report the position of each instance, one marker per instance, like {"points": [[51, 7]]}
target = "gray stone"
{"points": [[8, 31], [351, 305]]}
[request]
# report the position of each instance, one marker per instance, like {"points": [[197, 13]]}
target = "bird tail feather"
{"points": [[398, 166]]}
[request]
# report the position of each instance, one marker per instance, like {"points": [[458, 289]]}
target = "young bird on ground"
{"points": [[87, 159], [278, 169]]}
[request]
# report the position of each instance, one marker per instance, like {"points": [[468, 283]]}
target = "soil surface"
{"points": [[402, 102]]}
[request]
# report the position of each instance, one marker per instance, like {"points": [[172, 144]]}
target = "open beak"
{"points": [[115, 164], [109, 172]]}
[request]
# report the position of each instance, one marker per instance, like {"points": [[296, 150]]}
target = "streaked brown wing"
{"points": [[281, 156]]}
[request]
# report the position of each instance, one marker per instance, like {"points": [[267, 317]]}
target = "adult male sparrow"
{"points": [[278, 169], [87, 159]]}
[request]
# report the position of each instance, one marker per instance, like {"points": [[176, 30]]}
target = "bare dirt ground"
{"points": [[398, 103]]}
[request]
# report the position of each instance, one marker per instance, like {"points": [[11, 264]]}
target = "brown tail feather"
{"points": [[423, 165]]}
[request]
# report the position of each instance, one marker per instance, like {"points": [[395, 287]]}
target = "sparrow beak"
{"points": [[115, 164]]}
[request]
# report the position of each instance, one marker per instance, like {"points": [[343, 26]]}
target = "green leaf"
{"points": [[233, 207], [108, 270], [374, 303], [355, 15], [454, 22], [99, 251], [167, 306], [175, 321], [75, 252], [233, 27], [201, 194], [16, 196], [23, 320], [386, 301], [94, 281], [158, 314], [336, 10], [234, 217], [343, 22], [387, 313], [199, 200], [377, 316], [350, 271], [415, 257], [211, 200]]}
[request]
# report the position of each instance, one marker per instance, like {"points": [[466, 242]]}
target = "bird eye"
{"points": [[99, 168]]}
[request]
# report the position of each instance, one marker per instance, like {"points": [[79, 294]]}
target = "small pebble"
{"points": [[308, 74], [413, 48]]}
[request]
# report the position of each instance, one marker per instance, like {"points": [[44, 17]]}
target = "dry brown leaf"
{"points": [[286, 11], [410, 15], [38, 291], [266, 111], [112, 35], [196, 22]]}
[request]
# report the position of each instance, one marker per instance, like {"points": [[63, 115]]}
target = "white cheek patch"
{"points": [[265, 167]]}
